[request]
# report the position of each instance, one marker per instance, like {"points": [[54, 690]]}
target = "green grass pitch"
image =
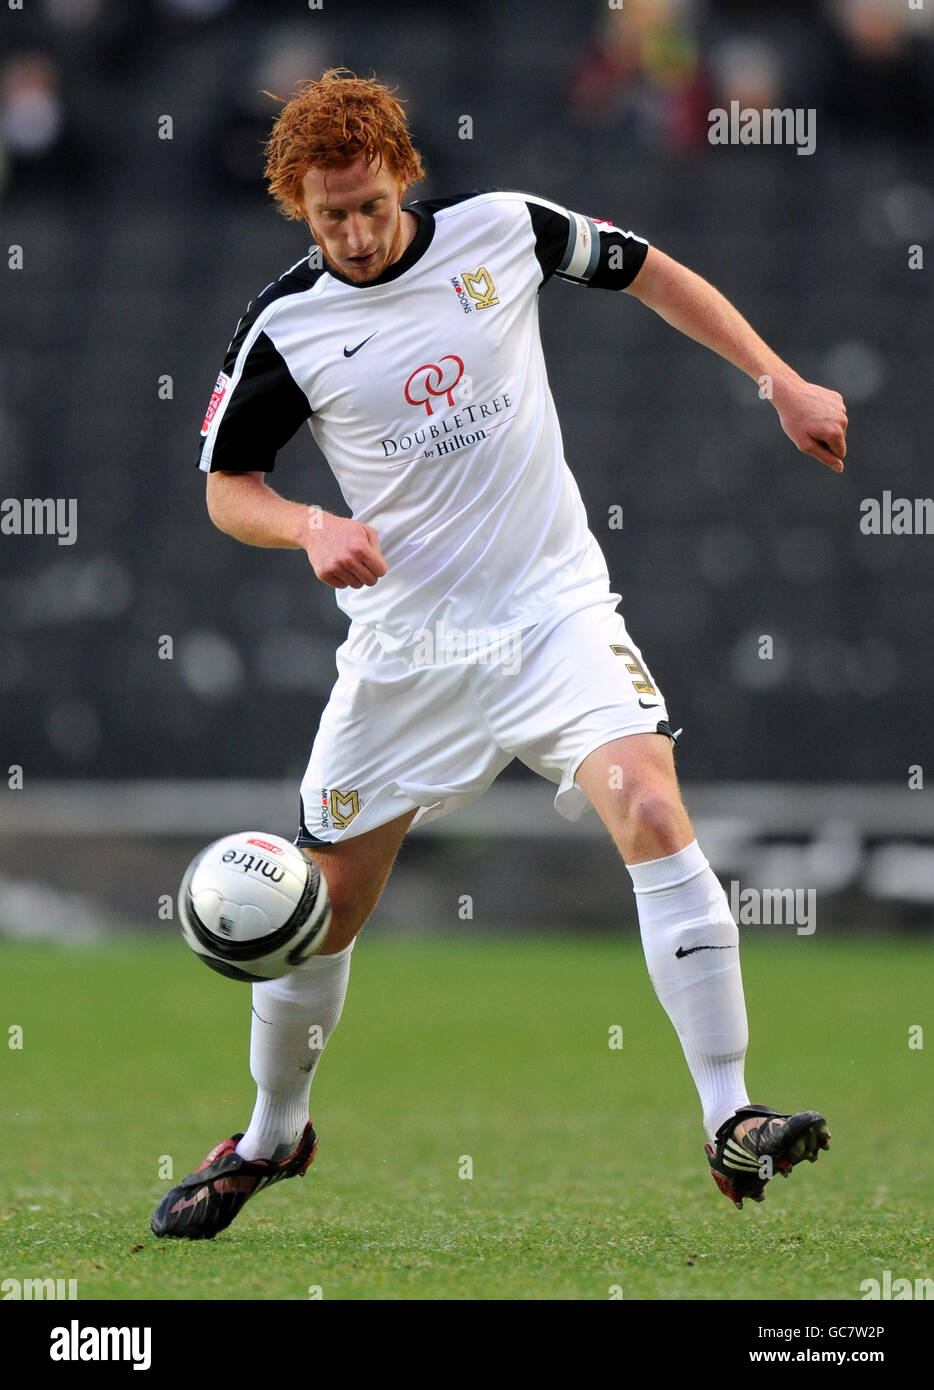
{"points": [[588, 1174]]}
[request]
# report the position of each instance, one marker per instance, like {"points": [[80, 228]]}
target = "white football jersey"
{"points": [[427, 393]]}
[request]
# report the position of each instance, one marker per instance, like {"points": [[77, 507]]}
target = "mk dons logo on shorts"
{"points": [[220, 388], [343, 806], [434, 380], [479, 285]]}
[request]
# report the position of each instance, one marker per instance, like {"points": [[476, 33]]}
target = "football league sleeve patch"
{"points": [[586, 250], [254, 410]]}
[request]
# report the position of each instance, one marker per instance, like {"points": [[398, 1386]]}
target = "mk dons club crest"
{"points": [[479, 285], [343, 806]]}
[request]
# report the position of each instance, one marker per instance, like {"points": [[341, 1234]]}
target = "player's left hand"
{"points": [[814, 419]]}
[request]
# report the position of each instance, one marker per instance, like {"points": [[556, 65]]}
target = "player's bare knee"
{"points": [[654, 819], [349, 899], [350, 903], [349, 913]]}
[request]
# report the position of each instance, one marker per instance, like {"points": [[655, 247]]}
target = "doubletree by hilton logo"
{"points": [[434, 379]]}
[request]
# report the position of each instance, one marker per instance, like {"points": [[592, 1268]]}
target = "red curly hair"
{"points": [[329, 124]]}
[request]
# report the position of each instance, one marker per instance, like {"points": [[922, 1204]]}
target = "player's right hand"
{"points": [[814, 418], [343, 553]]}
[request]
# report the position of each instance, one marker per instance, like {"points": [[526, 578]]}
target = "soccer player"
{"points": [[483, 627]]}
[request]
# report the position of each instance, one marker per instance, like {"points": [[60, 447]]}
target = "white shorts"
{"points": [[398, 736]]}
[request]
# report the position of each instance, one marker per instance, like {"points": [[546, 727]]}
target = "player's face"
{"points": [[355, 216]]}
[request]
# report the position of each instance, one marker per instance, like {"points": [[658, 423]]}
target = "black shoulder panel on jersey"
{"points": [[266, 405], [300, 277], [577, 248], [551, 237], [264, 411]]}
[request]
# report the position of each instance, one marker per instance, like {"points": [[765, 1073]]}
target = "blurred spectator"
{"points": [[31, 110], [287, 55], [747, 70], [880, 77], [75, 16], [642, 73], [40, 147], [94, 34]]}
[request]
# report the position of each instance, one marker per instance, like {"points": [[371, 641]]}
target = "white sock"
{"points": [[293, 1017], [682, 906]]}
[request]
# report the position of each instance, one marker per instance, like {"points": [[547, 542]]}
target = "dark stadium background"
{"points": [[139, 255]]}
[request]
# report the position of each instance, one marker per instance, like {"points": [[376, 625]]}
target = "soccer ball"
{"points": [[253, 907]]}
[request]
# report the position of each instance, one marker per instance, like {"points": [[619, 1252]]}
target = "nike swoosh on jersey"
{"points": [[681, 952], [649, 706], [349, 352]]}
